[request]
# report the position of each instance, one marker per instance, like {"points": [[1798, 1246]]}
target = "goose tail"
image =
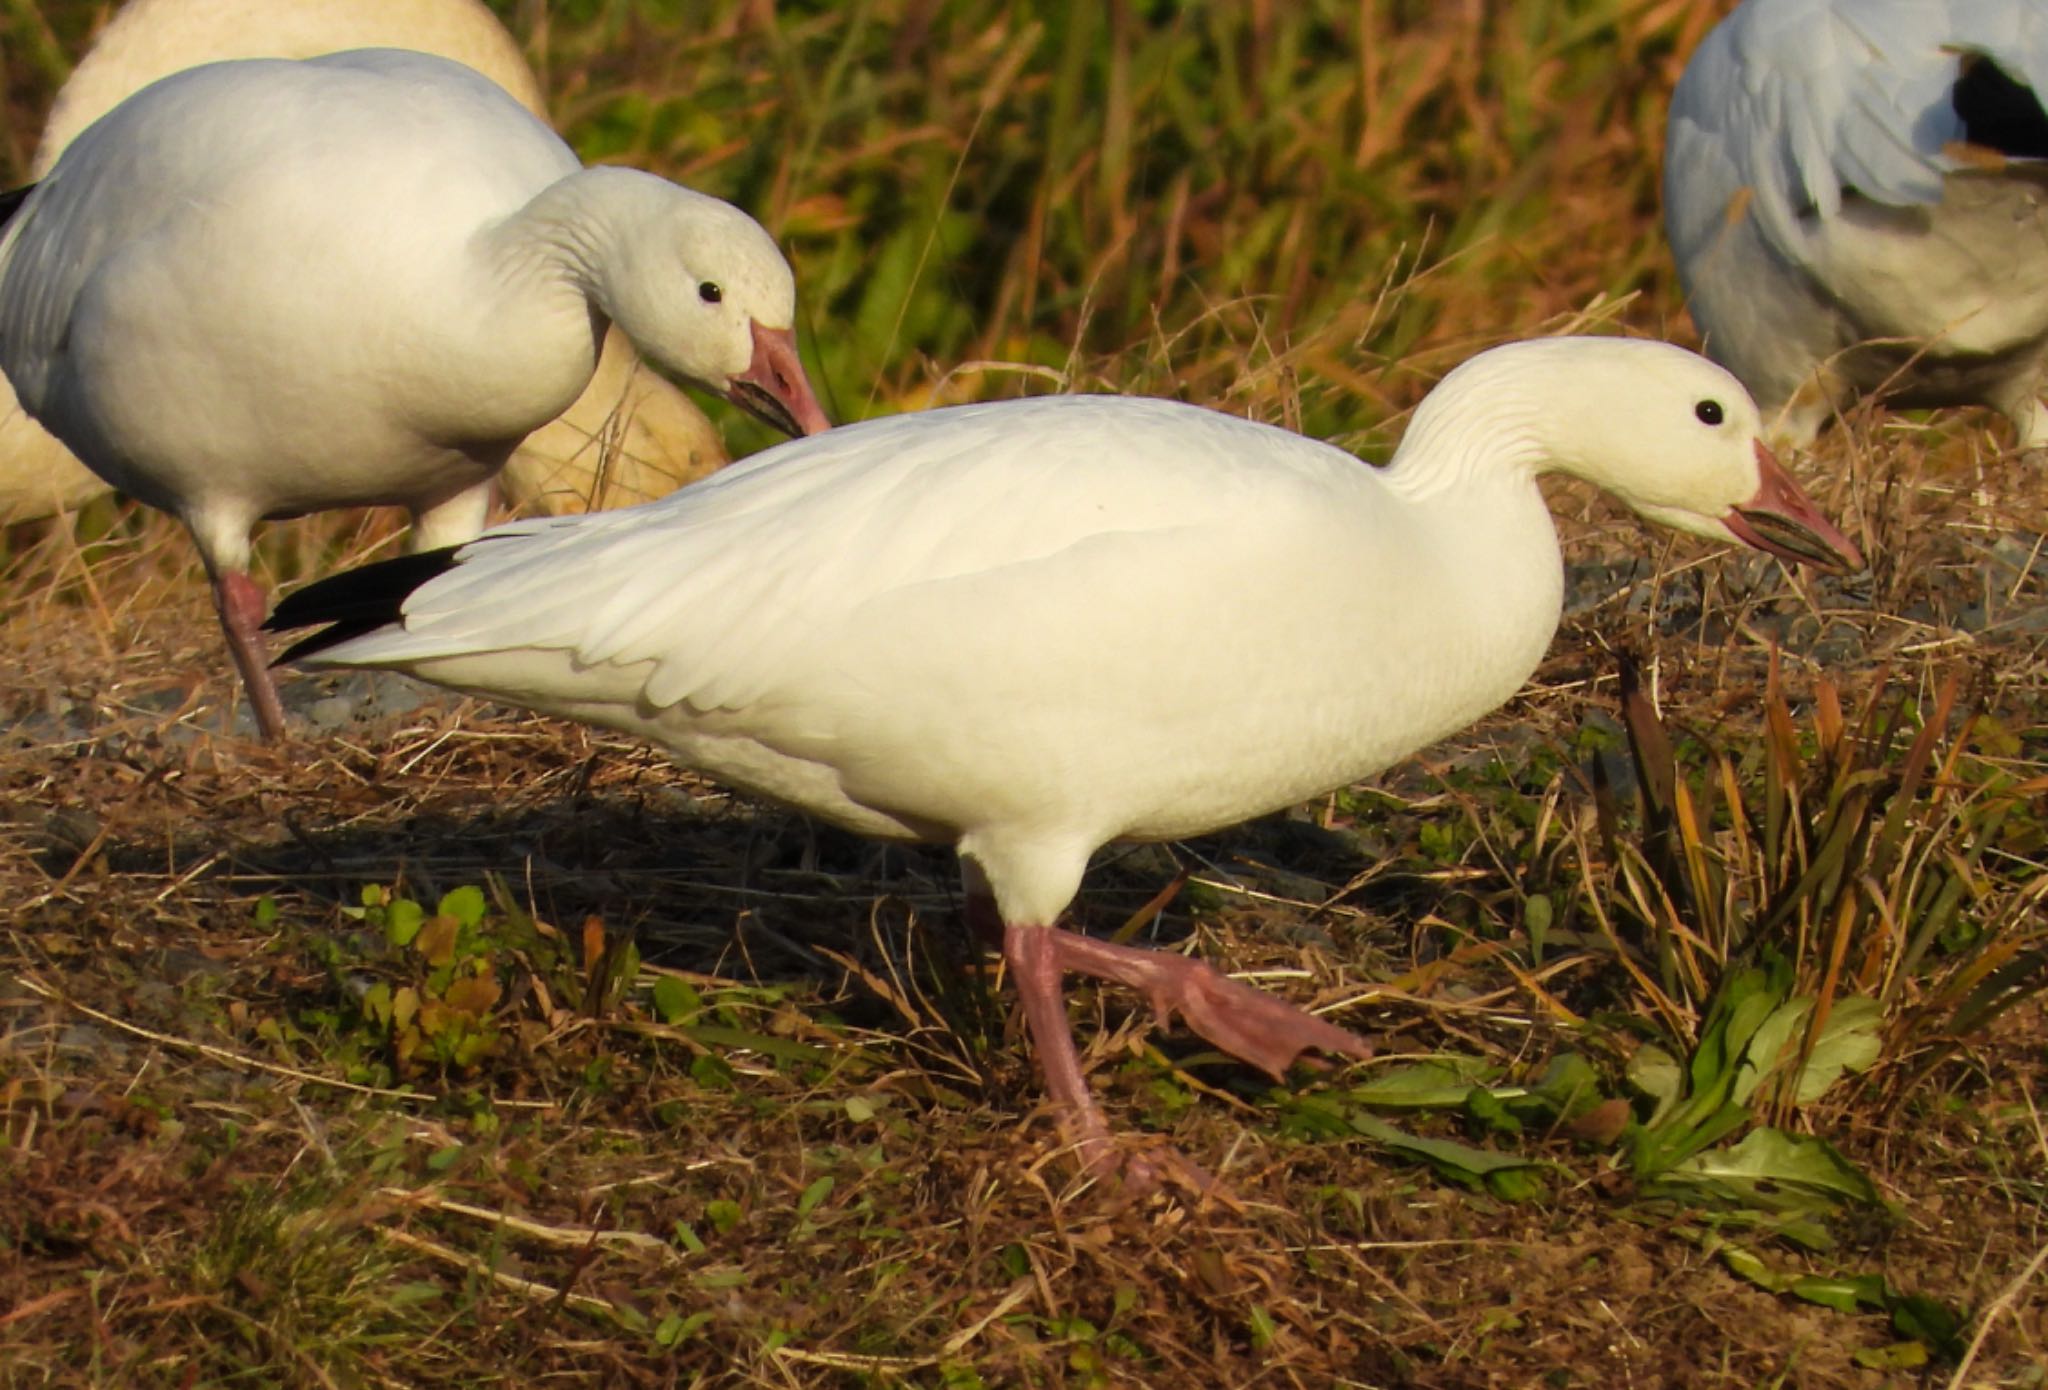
{"points": [[354, 602], [1999, 111]]}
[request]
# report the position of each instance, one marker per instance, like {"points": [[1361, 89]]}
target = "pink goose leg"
{"points": [[1247, 1023], [240, 602], [1033, 955], [1250, 1024]]}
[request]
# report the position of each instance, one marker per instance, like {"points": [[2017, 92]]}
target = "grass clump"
{"points": [[1878, 867], [1836, 901]]}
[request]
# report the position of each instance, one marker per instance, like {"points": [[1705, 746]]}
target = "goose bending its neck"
{"points": [[609, 238], [263, 288], [1029, 629]]}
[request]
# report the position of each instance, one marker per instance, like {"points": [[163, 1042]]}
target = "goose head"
{"points": [[705, 294], [1673, 435]]}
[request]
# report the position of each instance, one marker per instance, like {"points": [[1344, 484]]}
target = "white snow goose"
{"points": [[629, 437], [259, 289], [1857, 195], [1031, 628]]}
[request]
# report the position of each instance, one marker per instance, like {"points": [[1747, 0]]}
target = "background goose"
{"points": [[1843, 171], [629, 437], [1031, 628], [258, 289]]}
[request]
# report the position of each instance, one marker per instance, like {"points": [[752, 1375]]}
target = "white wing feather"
{"points": [[665, 595]]}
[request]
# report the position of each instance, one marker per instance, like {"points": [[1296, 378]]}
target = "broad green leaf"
{"points": [[1315, 1117], [464, 904], [1899, 1356], [1569, 1086], [1753, 1008], [1776, 1171], [1459, 1162], [1697, 1125], [1848, 1041], [1842, 1295], [1749, 1265], [1761, 1055], [625, 965], [1656, 1074], [402, 920], [1486, 1107], [676, 1001], [1805, 1233], [781, 1049], [1516, 1184], [1929, 1320], [1926, 1321], [1741, 1004], [1438, 1084]]}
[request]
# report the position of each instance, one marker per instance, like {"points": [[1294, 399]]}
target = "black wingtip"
{"points": [[1997, 111], [11, 201], [355, 601]]}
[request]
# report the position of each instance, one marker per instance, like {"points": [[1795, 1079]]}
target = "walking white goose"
{"points": [[1031, 628], [1857, 195], [629, 437], [259, 289]]}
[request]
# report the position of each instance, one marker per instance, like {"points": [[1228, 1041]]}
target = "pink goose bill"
{"points": [[775, 388], [1783, 521]]}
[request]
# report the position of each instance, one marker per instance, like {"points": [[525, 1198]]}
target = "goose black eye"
{"points": [[711, 294], [1709, 412]]}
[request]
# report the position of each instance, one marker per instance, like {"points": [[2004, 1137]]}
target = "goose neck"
{"points": [[568, 233], [1461, 438]]}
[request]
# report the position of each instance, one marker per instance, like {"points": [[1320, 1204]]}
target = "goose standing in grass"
{"points": [[1857, 195], [1029, 629], [259, 289], [629, 437]]}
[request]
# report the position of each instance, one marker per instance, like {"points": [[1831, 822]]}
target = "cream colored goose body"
{"points": [[1031, 628], [258, 289], [629, 437]]}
